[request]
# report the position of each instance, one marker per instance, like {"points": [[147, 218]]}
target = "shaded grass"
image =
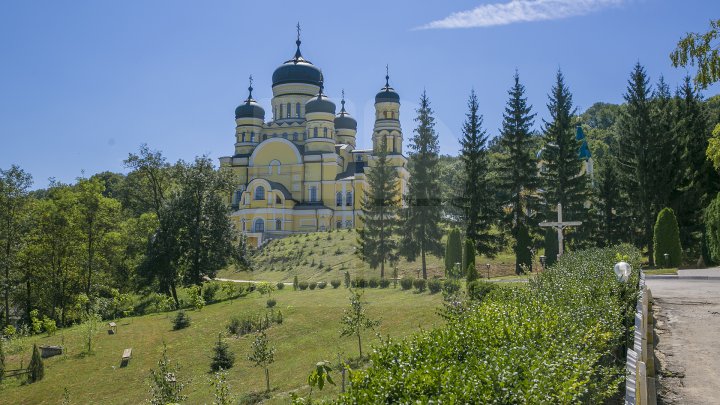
{"points": [[309, 333]]}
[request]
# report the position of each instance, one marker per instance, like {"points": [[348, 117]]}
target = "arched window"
{"points": [[338, 224], [243, 137], [348, 224], [274, 163], [349, 199], [295, 136], [338, 199], [313, 194], [238, 196], [385, 114], [297, 109], [252, 136], [285, 136], [259, 225], [315, 132], [278, 224], [288, 110], [259, 193], [325, 132], [281, 111], [243, 224], [278, 200]]}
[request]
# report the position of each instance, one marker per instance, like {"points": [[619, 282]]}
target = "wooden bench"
{"points": [[113, 328], [127, 355]]}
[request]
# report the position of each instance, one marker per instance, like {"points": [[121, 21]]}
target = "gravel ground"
{"points": [[687, 312]]}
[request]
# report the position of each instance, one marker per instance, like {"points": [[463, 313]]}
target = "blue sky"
{"points": [[83, 83]]}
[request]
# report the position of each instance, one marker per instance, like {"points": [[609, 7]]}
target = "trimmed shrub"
{"points": [[434, 286], [181, 320], [420, 284], [347, 279], [209, 291], [666, 239], [523, 257], [453, 250], [468, 257], [478, 289], [271, 302], [322, 284], [313, 285], [303, 285], [551, 247], [471, 274], [240, 326], [223, 358], [36, 370], [384, 283], [335, 283], [451, 286], [373, 283], [406, 283], [280, 285], [360, 283]]}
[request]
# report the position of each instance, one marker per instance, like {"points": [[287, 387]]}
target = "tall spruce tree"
{"points": [[562, 179], [478, 198], [666, 149], [421, 231], [609, 207], [380, 214], [517, 172], [638, 160]]}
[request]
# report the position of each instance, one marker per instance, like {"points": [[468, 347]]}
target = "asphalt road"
{"points": [[687, 312]]}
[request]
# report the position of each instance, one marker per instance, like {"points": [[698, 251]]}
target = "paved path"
{"points": [[687, 310]]}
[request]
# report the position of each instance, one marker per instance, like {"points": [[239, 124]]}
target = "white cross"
{"points": [[559, 225]]}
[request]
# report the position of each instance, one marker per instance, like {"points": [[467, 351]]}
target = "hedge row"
{"points": [[560, 340]]}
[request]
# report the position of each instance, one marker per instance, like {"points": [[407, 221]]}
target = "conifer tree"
{"points": [[516, 169], [638, 160], [666, 151], [609, 207], [453, 252], [469, 260], [36, 369], [477, 199], [223, 358], [561, 175], [551, 246], [380, 214], [666, 239], [421, 231]]}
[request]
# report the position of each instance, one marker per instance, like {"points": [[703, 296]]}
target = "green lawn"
{"points": [[327, 255], [309, 333], [658, 272]]}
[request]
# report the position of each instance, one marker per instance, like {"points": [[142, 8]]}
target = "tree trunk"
{"points": [[267, 380], [359, 344], [173, 292], [649, 239], [91, 253], [424, 263], [382, 269]]}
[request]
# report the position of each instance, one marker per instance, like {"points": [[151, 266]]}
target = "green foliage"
{"points": [[453, 252], [181, 320], [322, 284], [468, 259], [196, 299], [523, 256], [303, 285], [384, 283], [355, 319], [165, 387], [347, 279], [451, 287], [313, 285], [90, 327], [9, 331], [36, 369], [698, 49], [295, 283], [551, 247], [2, 359], [555, 341], [373, 283], [265, 288], [478, 289], [280, 285], [335, 283], [221, 390], [35, 322], [471, 273], [406, 283], [223, 358], [712, 229], [209, 291], [434, 285], [271, 302], [667, 239], [49, 326], [420, 284], [319, 375], [262, 355]]}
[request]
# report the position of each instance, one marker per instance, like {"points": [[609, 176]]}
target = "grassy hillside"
{"points": [[309, 333], [327, 255]]}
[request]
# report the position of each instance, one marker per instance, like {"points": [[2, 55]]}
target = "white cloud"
{"points": [[516, 11]]}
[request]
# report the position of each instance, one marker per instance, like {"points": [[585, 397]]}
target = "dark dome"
{"points": [[345, 121], [250, 109], [387, 95], [301, 72], [320, 104]]}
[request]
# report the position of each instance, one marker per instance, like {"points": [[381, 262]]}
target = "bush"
{"points": [[478, 289], [36, 370], [280, 285], [373, 283], [335, 283], [223, 358], [347, 279], [420, 284], [181, 320], [313, 285], [451, 286], [471, 274], [209, 291], [468, 258], [406, 283], [666, 239], [551, 247], [240, 326], [295, 283], [303, 285], [434, 286], [453, 250], [384, 283], [522, 250], [49, 326], [196, 300], [271, 302], [322, 284], [360, 283]]}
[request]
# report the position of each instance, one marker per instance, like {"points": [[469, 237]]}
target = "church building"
{"points": [[300, 171]]}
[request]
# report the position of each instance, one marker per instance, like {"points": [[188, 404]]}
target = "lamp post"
{"points": [[487, 266], [542, 261]]}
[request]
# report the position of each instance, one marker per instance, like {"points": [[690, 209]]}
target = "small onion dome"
{"points": [[387, 94], [320, 104], [250, 109], [297, 70], [343, 119]]}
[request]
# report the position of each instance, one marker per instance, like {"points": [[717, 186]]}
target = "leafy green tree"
{"points": [[712, 229], [223, 358], [517, 173], [380, 214], [478, 197], [355, 318], [700, 49], [150, 179], [638, 158], [319, 375], [666, 239], [562, 179], [262, 355], [522, 247], [221, 390], [468, 260], [421, 232], [165, 388], [14, 189], [89, 329], [453, 252], [36, 369]]}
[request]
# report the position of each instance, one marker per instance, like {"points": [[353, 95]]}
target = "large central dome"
{"points": [[297, 70]]}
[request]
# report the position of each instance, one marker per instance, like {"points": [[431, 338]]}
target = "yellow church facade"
{"points": [[300, 171]]}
